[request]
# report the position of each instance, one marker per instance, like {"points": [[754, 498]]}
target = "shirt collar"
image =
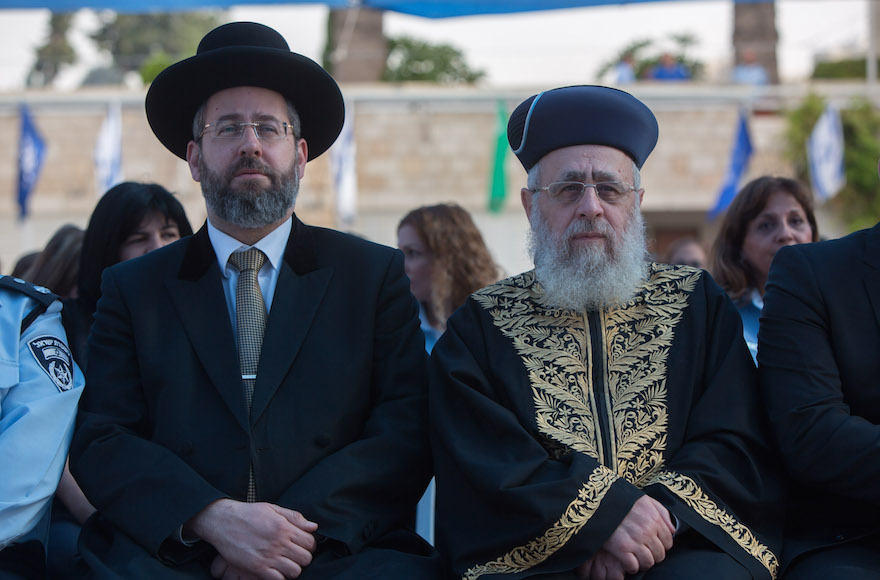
{"points": [[273, 245]]}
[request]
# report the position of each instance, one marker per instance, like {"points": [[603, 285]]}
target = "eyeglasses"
{"points": [[572, 191], [265, 130]]}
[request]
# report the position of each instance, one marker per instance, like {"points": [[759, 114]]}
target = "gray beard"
{"points": [[252, 206], [589, 278]]}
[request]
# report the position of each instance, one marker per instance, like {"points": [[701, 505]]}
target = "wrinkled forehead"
{"points": [[587, 162]]}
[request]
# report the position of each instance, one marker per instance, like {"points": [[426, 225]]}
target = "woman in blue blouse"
{"points": [[768, 213]]}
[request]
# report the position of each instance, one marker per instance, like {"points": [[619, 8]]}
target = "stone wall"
{"points": [[415, 146]]}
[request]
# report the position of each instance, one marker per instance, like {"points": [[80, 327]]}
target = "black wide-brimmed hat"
{"points": [[581, 115], [244, 54]]}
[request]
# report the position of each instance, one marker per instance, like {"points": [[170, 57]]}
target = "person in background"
{"points": [[749, 71], [23, 263], [686, 251], [130, 220], [598, 416], [446, 261], [39, 389], [57, 266], [767, 214], [624, 71], [669, 69], [818, 365]]}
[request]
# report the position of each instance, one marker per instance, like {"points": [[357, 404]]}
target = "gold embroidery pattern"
{"points": [[576, 515], [551, 344], [554, 345], [689, 492], [639, 337]]}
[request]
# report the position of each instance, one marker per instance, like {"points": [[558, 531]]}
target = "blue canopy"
{"points": [[426, 8], [448, 8]]}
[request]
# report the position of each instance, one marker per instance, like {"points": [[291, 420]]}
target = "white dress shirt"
{"points": [[273, 245]]}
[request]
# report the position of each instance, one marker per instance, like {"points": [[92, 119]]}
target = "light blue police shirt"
{"points": [[40, 386]]}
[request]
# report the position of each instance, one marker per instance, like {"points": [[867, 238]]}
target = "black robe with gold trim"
{"points": [[549, 424]]}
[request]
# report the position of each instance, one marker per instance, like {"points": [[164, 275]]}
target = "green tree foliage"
{"points": [[646, 54], [55, 53], [410, 59], [851, 68], [136, 40], [858, 202], [157, 62]]}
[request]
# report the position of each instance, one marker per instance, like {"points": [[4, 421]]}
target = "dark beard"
{"points": [[252, 205]]}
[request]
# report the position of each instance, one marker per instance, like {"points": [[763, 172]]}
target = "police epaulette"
{"points": [[43, 296]]}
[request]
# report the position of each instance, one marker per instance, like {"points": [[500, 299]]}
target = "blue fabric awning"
{"points": [[425, 8], [449, 8]]}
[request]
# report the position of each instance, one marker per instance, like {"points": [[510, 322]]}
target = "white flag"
{"points": [[343, 162], [825, 154], [108, 150]]}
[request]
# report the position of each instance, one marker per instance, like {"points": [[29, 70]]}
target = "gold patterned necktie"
{"points": [[250, 323]]}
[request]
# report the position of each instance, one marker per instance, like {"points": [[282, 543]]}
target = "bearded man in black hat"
{"points": [[597, 417], [259, 406]]}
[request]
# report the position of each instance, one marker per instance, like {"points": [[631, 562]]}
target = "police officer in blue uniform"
{"points": [[40, 386]]}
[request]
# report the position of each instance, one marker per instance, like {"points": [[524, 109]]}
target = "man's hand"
{"points": [[642, 538], [602, 566], [255, 540]]}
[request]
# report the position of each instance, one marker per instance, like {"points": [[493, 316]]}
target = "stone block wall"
{"points": [[415, 146]]}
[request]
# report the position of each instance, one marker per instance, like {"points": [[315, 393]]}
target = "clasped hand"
{"points": [[639, 542], [255, 540]]}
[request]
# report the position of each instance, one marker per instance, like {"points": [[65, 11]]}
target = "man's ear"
{"points": [[526, 196], [193, 151], [302, 156], [641, 196]]}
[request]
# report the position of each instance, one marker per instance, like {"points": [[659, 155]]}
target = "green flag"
{"points": [[497, 182]]}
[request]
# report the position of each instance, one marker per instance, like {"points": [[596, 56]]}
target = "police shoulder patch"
{"points": [[54, 358]]}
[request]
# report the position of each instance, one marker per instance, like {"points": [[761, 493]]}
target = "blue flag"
{"points": [[739, 161], [31, 151]]}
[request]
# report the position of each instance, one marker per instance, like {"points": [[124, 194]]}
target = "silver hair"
{"points": [[292, 117], [534, 177]]}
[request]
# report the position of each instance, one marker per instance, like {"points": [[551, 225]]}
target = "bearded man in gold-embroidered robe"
{"points": [[597, 417]]}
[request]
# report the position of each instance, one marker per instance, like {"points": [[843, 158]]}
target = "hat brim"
{"points": [[178, 92]]}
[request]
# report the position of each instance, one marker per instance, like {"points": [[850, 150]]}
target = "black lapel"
{"points": [[298, 294], [872, 271], [198, 295]]}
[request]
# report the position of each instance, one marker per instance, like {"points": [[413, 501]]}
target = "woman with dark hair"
{"points": [[57, 266], [768, 213], [446, 261], [130, 220]]}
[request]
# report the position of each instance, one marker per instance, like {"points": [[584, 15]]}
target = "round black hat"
{"points": [[244, 54], [581, 115]]}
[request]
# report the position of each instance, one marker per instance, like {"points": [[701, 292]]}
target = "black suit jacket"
{"points": [[819, 365], [337, 426]]}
